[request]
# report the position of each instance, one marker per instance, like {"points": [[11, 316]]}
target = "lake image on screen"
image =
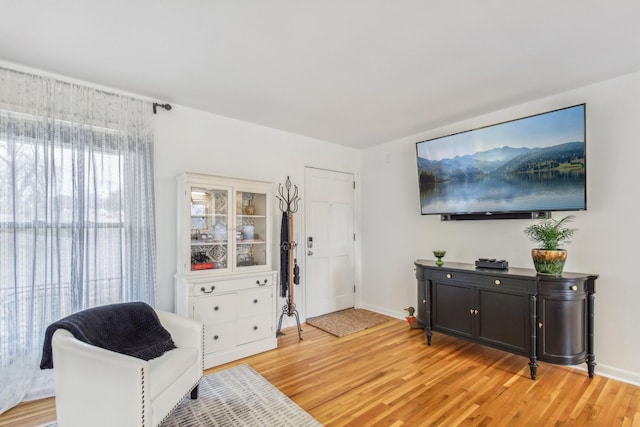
{"points": [[505, 179], [532, 164]]}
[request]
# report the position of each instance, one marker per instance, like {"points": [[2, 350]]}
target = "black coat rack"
{"points": [[289, 270]]}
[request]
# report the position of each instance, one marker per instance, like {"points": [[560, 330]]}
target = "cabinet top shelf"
{"points": [[527, 273], [204, 215], [208, 242], [224, 242]]}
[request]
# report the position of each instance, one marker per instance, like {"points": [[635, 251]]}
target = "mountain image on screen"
{"points": [[503, 162], [505, 179]]}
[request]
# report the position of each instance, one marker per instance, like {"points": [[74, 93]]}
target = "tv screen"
{"points": [[524, 166]]}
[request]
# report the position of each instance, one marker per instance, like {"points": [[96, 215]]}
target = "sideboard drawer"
{"points": [[253, 329], [494, 281], [215, 309], [219, 337], [255, 301], [562, 286], [233, 285]]}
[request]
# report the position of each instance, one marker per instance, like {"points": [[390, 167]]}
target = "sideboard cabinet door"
{"points": [[562, 321], [453, 308], [504, 321]]}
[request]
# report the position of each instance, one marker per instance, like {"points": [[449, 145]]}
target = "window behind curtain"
{"points": [[77, 222]]}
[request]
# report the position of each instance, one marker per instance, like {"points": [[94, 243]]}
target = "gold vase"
{"points": [[250, 209]]}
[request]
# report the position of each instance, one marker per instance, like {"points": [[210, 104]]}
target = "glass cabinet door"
{"points": [[251, 229], [210, 215]]}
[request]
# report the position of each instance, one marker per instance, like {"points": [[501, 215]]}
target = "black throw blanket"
{"points": [[131, 328]]}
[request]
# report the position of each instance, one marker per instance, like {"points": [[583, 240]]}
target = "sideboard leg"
{"points": [[591, 357], [533, 366], [427, 332], [591, 364]]}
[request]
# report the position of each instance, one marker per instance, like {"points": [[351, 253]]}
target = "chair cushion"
{"points": [[165, 370]]}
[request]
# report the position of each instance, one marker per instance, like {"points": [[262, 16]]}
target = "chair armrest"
{"points": [[69, 352], [184, 332], [87, 378]]}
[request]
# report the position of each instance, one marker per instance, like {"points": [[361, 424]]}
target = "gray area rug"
{"points": [[238, 396]]}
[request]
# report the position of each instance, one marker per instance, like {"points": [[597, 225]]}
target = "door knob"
{"points": [[309, 253]]}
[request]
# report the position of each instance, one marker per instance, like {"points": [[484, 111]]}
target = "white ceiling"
{"points": [[353, 72]]}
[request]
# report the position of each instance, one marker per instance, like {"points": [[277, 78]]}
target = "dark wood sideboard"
{"points": [[545, 318]]}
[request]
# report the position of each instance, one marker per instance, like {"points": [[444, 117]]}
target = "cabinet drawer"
{"points": [[215, 309], [497, 281], [564, 286], [254, 328], [254, 302], [219, 337], [224, 286]]}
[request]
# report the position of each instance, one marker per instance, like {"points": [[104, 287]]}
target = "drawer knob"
{"points": [[202, 289], [215, 337], [497, 282], [216, 308], [261, 284], [574, 288], [255, 301], [449, 276], [424, 301], [540, 325], [255, 328]]}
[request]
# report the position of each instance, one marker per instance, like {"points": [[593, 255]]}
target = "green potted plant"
{"points": [[550, 234]]}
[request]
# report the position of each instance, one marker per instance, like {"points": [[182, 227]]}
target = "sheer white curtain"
{"points": [[77, 224]]}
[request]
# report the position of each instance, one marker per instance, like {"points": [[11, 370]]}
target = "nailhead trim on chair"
{"points": [[180, 401], [202, 334], [142, 386]]}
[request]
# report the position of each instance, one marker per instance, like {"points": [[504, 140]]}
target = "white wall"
{"points": [[188, 140], [395, 234]]}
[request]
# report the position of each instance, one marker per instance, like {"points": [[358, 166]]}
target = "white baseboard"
{"points": [[395, 314], [617, 374]]}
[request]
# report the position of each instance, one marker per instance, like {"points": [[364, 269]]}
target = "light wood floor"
{"points": [[388, 376]]}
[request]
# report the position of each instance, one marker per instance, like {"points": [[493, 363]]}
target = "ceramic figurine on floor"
{"points": [[411, 318]]}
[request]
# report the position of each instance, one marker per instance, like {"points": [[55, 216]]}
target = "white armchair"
{"points": [[98, 387]]}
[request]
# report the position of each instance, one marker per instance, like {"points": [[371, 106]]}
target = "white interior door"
{"points": [[329, 241]]}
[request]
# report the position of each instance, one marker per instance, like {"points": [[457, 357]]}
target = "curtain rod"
{"points": [[165, 106]]}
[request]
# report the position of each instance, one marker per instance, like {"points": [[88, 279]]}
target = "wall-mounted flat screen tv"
{"points": [[522, 168]]}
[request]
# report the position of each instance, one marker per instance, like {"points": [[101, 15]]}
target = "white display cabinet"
{"points": [[223, 225], [224, 277]]}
